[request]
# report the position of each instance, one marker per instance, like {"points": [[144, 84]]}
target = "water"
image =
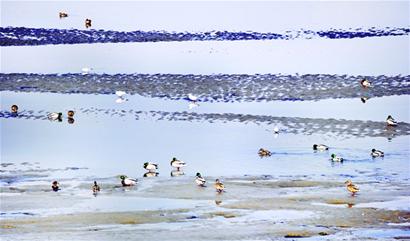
{"points": [[307, 85]]}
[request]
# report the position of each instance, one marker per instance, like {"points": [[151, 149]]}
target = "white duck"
{"points": [[126, 182], [320, 147], [177, 163], [335, 158], [151, 167], [192, 97], [200, 181]]}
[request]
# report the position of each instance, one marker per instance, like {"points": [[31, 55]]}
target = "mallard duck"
{"points": [[55, 186], [192, 97], [177, 163], [152, 167], [365, 83], [55, 116], [126, 182], [335, 158], [62, 14], [88, 23], [96, 188], [219, 186], [264, 153], [377, 153], [200, 181], [351, 187], [14, 109], [151, 174], [320, 147], [390, 121]]}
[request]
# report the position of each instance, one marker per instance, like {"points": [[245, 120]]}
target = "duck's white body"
{"points": [[377, 153], [86, 70], [177, 163], [150, 166], [120, 93], [54, 116], [276, 130], [192, 97], [390, 121], [129, 182], [320, 147], [200, 181]]}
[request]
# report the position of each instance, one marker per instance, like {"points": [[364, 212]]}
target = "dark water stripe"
{"points": [[337, 128], [212, 88], [11, 36]]}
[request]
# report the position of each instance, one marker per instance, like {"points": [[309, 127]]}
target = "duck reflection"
{"points": [[151, 174], [176, 173]]}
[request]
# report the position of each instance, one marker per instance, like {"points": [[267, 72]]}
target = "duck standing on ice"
{"points": [[55, 116], [219, 186], [353, 189], [365, 83], [95, 188], [151, 167]]}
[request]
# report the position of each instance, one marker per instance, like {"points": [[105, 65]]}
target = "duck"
{"points": [[55, 186], [192, 97], [264, 153], [14, 109], [87, 23], [151, 174], [219, 186], [151, 167], [276, 130], [70, 114], [365, 83], [336, 158], [390, 121], [62, 14], [96, 188], [126, 182], [54, 116], [86, 70], [200, 181], [377, 153], [120, 93], [320, 147], [351, 187], [177, 163]]}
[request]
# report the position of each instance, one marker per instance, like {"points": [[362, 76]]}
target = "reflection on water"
{"points": [[212, 88]]}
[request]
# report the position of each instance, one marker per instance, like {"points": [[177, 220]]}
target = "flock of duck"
{"points": [[178, 164]]}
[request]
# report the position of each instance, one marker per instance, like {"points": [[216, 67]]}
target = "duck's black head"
{"points": [[95, 183], [389, 117], [174, 158], [314, 147], [373, 150], [198, 174], [333, 155], [122, 177], [55, 183]]}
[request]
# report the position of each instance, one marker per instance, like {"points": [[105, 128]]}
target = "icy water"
{"points": [[251, 75]]}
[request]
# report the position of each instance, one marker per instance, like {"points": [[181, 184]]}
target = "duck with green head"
{"points": [[126, 182], [335, 158]]}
